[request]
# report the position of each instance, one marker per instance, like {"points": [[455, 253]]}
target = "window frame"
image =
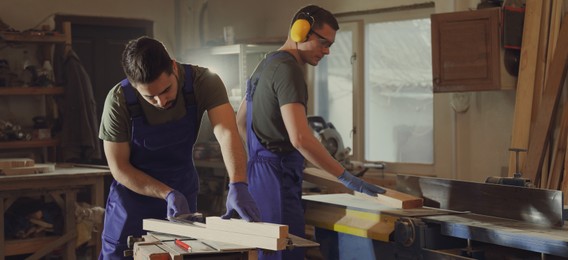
{"points": [[360, 20]]}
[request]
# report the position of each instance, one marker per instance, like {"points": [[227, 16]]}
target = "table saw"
{"points": [[158, 246], [459, 220], [215, 239]]}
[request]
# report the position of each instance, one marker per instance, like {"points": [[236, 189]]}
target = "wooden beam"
{"points": [[251, 228], [540, 72], [395, 199], [556, 75], [391, 198], [525, 82], [559, 153], [201, 232], [564, 185]]}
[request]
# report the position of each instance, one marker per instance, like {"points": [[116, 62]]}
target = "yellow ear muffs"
{"points": [[300, 29]]}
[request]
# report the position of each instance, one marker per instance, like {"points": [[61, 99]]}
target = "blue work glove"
{"points": [[240, 200], [177, 205], [359, 185]]}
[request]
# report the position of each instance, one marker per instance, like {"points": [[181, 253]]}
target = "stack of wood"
{"points": [[239, 232], [537, 126], [19, 166]]}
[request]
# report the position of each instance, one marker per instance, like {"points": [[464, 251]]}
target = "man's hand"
{"points": [[240, 200], [177, 205], [359, 185]]}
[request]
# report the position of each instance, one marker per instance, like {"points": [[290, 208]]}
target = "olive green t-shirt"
{"points": [[280, 82], [209, 92]]}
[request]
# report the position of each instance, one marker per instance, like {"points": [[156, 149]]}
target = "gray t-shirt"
{"points": [[209, 92], [281, 81]]}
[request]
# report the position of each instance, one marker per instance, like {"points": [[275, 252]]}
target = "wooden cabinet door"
{"points": [[466, 50]]}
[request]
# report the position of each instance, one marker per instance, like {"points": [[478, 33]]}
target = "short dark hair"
{"points": [[144, 59], [320, 16]]}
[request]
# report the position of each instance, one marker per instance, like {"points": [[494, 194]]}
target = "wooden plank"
{"points": [[556, 75], [564, 185], [16, 162], [543, 207], [555, 20], [540, 72], [391, 198], [250, 228], [38, 168], [395, 199], [558, 161], [201, 232], [525, 82], [559, 153]]}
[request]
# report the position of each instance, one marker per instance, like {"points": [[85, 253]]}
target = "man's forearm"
{"points": [[234, 157]]}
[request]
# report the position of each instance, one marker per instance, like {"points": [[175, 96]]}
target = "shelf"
{"points": [[26, 246], [34, 37], [13, 91], [28, 144]]}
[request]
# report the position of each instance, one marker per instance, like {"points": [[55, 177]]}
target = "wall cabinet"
{"points": [[23, 102], [467, 53]]}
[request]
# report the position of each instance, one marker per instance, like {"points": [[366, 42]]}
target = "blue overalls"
{"points": [[275, 183], [162, 151]]}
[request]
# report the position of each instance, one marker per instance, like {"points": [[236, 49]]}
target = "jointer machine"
{"points": [[458, 220]]}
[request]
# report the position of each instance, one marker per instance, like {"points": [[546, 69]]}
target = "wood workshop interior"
{"points": [[455, 109]]}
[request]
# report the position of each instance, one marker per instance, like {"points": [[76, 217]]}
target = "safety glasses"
{"points": [[322, 40]]}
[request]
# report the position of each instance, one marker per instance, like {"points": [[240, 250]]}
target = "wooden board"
{"points": [[391, 198], [395, 199], [525, 82], [16, 162], [556, 75], [559, 153], [201, 232], [251, 228], [38, 168]]}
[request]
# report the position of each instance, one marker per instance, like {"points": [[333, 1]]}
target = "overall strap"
{"points": [[132, 105], [188, 93]]}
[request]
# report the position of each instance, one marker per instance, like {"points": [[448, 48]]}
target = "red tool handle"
{"points": [[182, 244]]}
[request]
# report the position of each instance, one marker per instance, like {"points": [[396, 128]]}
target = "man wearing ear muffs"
{"points": [[272, 119]]}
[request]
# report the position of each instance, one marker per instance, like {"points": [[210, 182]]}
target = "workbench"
{"points": [[62, 186]]}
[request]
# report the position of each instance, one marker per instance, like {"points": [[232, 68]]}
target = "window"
{"points": [[398, 92], [379, 96], [334, 85]]}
